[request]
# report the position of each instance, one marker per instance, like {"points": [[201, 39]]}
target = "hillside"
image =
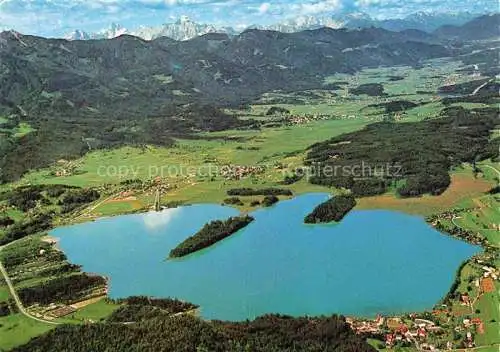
{"points": [[77, 96], [102, 73], [484, 27]]}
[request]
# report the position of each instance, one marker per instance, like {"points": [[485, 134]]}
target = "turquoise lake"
{"points": [[372, 262]]}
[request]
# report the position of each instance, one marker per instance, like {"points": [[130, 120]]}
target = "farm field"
{"points": [[95, 311], [464, 187]]}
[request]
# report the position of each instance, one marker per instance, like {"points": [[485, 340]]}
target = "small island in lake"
{"points": [[210, 234], [334, 209]]}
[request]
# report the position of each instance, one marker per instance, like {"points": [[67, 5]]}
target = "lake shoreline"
{"points": [[354, 211]]}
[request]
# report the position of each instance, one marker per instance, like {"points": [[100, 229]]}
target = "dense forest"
{"points": [[371, 89], [486, 95], [133, 313], [293, 178], [269, 333], [259, 192], [26, 198], [233, 201], [269, 200], [32, 225], [211, 233], [60, 290], [35, 200], [4, 309], [334, 209], [7, 308], [277, 110], [415, 157], [75, 199], [395, 106], [171, 305]]}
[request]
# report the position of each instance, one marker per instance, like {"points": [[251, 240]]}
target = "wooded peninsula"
{"points": [[334, 209]]}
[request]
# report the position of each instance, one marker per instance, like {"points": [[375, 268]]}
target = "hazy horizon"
{"points": [[56, 18]]}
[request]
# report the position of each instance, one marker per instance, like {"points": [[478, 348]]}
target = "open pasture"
{"points": [[463, 188]]}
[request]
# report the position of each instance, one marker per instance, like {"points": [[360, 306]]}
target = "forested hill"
{"points": [[189, 334], [483, 27], [414, 157]]}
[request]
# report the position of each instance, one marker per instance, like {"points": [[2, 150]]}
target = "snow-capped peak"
{"points": [[184, 28], [184, 19]]}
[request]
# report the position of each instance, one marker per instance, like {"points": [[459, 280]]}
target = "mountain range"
{"points": [[184, 28]]}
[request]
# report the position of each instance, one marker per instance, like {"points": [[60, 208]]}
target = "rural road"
{"points": [[481, 87], [495, 169], [13, 292], [90, 209]]}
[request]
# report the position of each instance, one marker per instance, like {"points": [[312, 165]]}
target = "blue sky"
{"points": [[57, 17]]}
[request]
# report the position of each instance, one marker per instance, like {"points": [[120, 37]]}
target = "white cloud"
{"points": [[319, 6], [264, 7], [366, 3], [154, 220]]}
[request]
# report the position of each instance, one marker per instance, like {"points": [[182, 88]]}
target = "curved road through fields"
{"points": [[19, 304]]}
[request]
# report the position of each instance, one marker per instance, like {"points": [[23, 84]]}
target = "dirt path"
{"points": [[475, 348], [93, 207]]}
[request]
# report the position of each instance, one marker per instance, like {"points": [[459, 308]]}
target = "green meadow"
{"points": [[16, 329]]}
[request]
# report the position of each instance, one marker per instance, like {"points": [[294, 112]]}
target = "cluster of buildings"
{"points": [[467, 325], [159, 184], [65, 168], [307, 118], [52, 311], [396, 331], [416, 332], [490, 272], [237, 172], [367, 326]]}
